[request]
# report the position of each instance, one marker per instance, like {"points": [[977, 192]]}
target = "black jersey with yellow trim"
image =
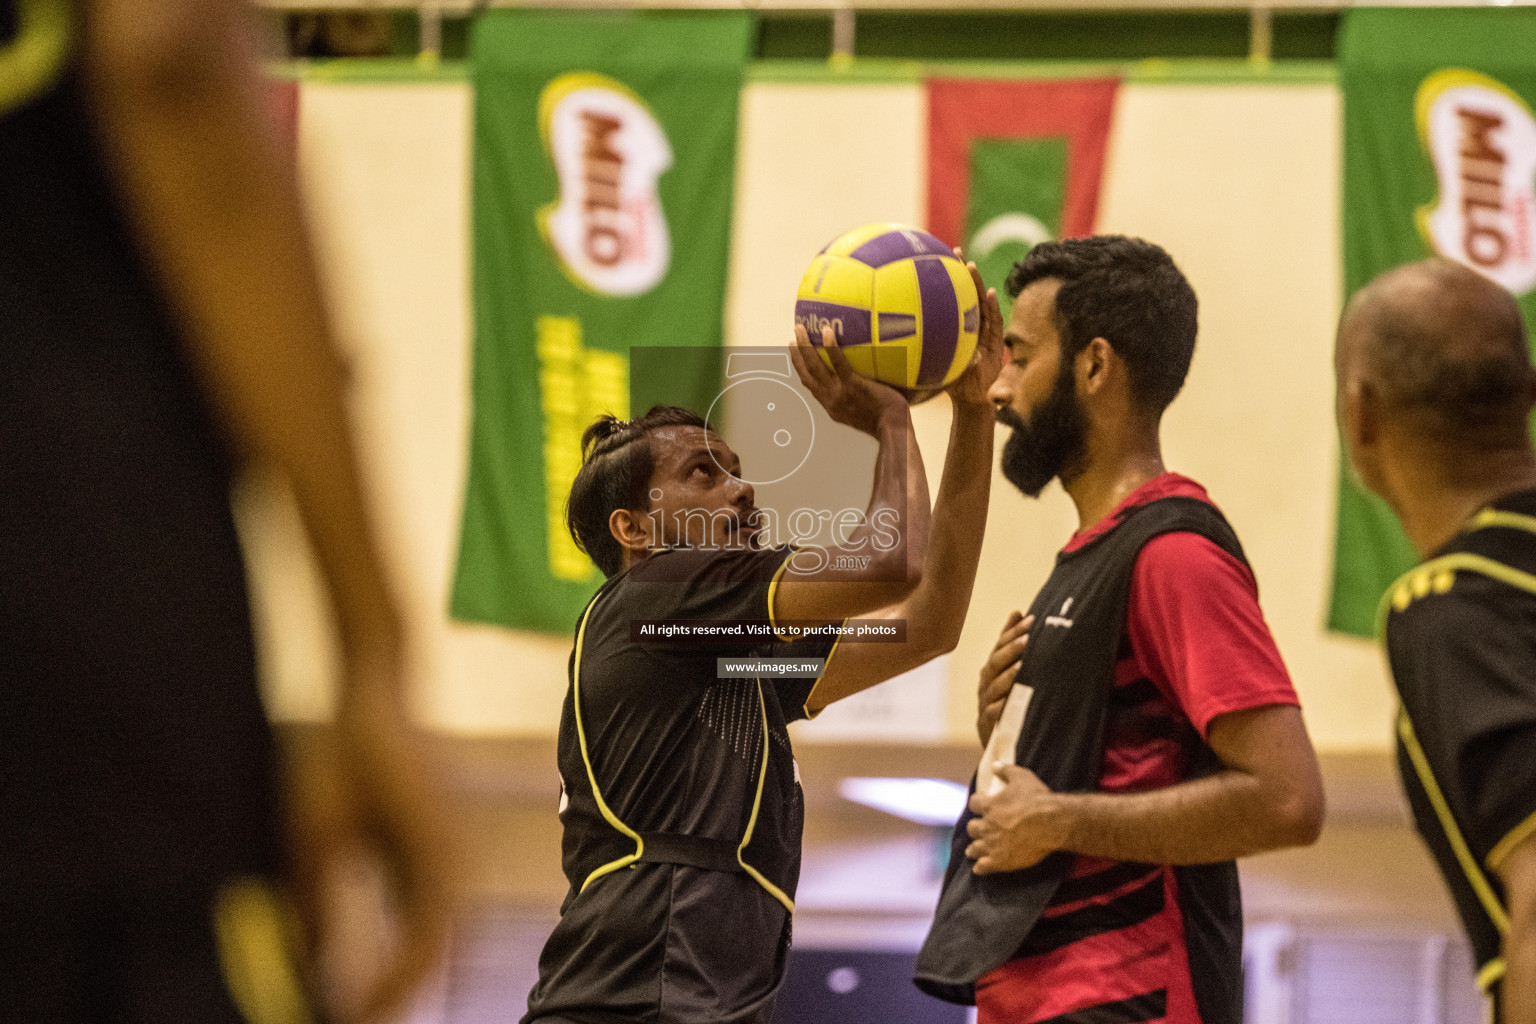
{"points": [[681, 807], [1460, 635]]}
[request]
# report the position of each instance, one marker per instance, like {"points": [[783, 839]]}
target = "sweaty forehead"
{"points": [[672, 446]]}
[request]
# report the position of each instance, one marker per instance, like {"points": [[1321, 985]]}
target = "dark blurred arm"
{"points": [[210, 193]]}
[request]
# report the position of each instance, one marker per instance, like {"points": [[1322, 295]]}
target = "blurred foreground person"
{"points": [[1147, 734], [161, 313], [1435, 390]]}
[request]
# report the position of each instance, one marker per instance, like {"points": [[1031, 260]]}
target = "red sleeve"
{"points": [[1194, 621]]}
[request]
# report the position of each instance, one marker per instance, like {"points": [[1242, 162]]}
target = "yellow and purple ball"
{"points": [[903, 309]]}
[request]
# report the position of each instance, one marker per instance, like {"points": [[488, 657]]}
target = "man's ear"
{"points": [[1360, 414], [633, 530], [1093, 365]]}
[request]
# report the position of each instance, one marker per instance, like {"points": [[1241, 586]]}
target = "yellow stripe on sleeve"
{"points": [[773, 593], [806, 707]]}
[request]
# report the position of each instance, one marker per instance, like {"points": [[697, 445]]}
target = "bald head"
{"points": [[1444, 351]]}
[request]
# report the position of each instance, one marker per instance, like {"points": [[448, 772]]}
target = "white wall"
{"points": [[1239, 182]]}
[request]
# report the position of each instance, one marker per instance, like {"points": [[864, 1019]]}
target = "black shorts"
{"points": [[148, 958]]}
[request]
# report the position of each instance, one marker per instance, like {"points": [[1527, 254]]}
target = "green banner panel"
{"points": [[1439, 157], [604, 153], [1017, 190]]}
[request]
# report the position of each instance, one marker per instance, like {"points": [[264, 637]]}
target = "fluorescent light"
{"points": [[925, 801]]}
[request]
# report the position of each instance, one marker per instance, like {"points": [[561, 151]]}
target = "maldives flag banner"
{"points": [[604, 159], [1439, 158], [1012, 164]]}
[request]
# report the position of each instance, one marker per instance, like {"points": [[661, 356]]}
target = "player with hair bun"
{"points": [[681, 803]]}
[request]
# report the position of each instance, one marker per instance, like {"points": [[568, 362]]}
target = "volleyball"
{"points": [[903, 309]]}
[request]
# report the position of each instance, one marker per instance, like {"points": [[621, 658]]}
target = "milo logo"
{"points": [[1481, 137], [607, 227]]}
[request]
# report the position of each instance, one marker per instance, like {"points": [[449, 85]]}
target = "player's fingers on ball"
{"points": [[798, 358], [981, 289], [840, 364], [813, 372]]}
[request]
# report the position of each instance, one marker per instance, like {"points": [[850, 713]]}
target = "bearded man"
{"points": [[1148, 734]]}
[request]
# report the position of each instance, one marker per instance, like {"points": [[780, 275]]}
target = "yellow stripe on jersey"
{"points": [[1492, 971], [757, 803], [1452, 830], [581, 739], [1496, 517], [256, 934], [33, 60]]}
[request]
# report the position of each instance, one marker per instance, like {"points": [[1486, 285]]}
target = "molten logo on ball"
{"points": [[607, 227]]}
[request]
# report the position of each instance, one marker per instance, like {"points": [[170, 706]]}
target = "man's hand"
{"points": [[1019, 825], [998, 672], [369, 791], [849, 398], [970, 388]]}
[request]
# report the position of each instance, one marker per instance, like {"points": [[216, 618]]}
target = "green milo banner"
{"points": [[604, 150], [1439, 158]]}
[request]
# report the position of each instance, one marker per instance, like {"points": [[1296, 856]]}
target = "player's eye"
{"points": [[701, 469]]}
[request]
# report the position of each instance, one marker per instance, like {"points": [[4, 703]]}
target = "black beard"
{"points": [[1050, 444]]}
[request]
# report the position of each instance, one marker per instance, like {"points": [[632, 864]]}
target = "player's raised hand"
{"points": [[970, 388], [848, 397], [370, 790], [998, 672]]}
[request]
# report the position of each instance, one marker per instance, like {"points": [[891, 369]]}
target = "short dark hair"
{"points": [[1448, 347], [1128, 292], [616, 467]]}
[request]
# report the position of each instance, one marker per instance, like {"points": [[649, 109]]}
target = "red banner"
{"points": [[962, 112]]}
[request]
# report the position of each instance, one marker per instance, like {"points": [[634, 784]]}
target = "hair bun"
{"points": [[603, 429]]}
